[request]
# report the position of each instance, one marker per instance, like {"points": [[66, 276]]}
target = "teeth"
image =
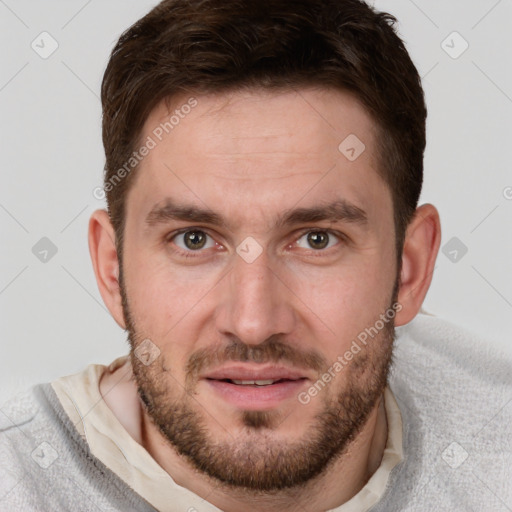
{"points": [[253, 382]]}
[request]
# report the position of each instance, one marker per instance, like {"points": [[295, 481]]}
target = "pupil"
{"points": [[195, 239], [318, 240]]}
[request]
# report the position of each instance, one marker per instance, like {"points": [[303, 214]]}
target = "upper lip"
{"points": [[255, 372]]}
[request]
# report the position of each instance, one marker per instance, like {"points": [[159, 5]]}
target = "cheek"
{"points": [[345, 301], [164, 301]]}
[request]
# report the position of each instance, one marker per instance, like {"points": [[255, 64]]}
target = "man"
{"points": [[262, 241]]}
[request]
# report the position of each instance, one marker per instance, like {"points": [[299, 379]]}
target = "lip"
{"points": [[255, 372], [252, 397]]}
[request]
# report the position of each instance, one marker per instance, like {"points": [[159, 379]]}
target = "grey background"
{"points": [[53, 321]]}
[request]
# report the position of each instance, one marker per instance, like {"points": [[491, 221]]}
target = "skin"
{"points": [[250, 157]]}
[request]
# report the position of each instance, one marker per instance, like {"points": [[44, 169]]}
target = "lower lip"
{"points": [[252, 398]]}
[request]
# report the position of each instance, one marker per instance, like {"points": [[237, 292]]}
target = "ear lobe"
{"points": [[419, 254], [105, 262]]}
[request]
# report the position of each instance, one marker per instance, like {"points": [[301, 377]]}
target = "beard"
{"points": [[256, 458]]}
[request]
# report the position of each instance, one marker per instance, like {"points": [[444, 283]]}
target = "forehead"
{"points": [[271, 149], [260, 120]]}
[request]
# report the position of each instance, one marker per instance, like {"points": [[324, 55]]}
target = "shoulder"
{"points": [[454, 391], [45, 464], [455, 381], [24, 446], [452, 362]]}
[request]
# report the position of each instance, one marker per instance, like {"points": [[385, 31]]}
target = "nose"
{"points": [[255, 303]]}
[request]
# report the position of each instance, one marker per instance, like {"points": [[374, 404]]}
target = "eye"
{"points": [[193, 240], [317, 240]]}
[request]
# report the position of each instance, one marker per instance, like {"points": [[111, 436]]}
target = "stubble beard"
{"points": [[256, 458]]}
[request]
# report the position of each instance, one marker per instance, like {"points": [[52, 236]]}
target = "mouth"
{"points": [[253, 388], [256, 383]]}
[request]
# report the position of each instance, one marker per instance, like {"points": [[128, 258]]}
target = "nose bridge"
{"points": [[254, 283], [254, 305]]}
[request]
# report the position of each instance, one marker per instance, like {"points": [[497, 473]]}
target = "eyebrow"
{"points": [[340, 210], [171, 210]]}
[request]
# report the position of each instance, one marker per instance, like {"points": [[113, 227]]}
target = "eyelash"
{"points": [[190, 254]]}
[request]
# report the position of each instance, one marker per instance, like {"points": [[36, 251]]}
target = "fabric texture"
{"points": [[455, 397], [46, 466]]}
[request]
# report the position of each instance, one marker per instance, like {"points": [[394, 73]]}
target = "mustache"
{"points": [[272, 350]]}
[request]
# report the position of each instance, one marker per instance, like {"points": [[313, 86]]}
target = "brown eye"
{"points": [[194, 239], [318, 239]]}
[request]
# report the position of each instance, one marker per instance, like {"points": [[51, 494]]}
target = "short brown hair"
{"points": [[205, 46]]}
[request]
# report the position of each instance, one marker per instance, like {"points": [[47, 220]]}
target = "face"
{"points": [[256, 254]]}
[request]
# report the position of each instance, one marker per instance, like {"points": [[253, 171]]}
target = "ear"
{"points": [[419, 254], [105, 262]]}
